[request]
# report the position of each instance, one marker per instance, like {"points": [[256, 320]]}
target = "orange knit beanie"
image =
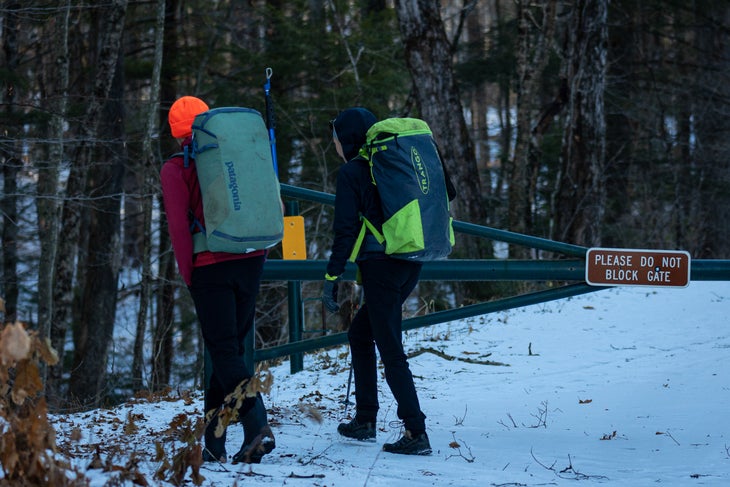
{"points": [[182, 113]]}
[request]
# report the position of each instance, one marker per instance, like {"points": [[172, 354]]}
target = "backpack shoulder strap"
{"points": [[186, 154], [196, 227], [366, 225]]}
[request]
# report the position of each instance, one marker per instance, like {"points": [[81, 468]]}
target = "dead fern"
{"points": [[28, 451]]}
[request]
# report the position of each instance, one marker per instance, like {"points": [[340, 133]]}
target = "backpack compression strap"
{"points": [[366, 225]]}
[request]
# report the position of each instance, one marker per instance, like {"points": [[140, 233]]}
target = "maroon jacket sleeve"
{"points": [[176, 197]]}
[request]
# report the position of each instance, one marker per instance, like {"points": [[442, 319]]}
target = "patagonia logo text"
{"points": [[421, 172], [233, 185]]}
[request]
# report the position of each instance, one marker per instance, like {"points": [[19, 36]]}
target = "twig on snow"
{"points": [[460, 421], [568, 472], [667, 433], [446, 356], [541, 416], [457, 446], [293, 475], [514, 424], [312, 459]]}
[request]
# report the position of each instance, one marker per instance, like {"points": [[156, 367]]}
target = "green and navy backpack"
{"points": [[406, 169], [238, 182]]}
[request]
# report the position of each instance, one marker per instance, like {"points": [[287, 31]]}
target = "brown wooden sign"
{"points": [[634, 267]]}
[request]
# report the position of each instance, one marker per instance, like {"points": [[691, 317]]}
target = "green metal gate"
{"points": [[570, 269]]}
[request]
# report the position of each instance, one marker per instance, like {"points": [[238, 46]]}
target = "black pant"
{"points": [[225, 301], [386, 283]]}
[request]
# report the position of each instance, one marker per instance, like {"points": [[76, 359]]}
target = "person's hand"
{"points": [[329, 293]]}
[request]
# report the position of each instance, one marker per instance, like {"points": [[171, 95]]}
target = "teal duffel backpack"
{"points": [[238, 182]]}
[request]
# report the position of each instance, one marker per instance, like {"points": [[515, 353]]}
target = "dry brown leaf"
{"points": [[27, 381], [14, 343], [139, 479], [311, 412], [46, 351], [159, 452], [226, 416], [187, 398], [10, 457], [194, 459], [130, 427], [76, 434], [178, 420], [96, 462]]}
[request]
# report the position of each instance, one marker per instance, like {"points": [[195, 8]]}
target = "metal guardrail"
{"points": [[482, 270], [295, 271]]}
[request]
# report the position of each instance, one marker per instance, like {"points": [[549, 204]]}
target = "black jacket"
{"points": [[356, 194]]}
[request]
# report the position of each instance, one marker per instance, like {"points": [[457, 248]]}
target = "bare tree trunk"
{"points": [[65, 263], [479, 103], [11, 166], [532, 57], [429, 59], [145, 285], [580, 197], [621, 126], [149, 172], [503, 109], [94, 331], [55, 70], [9, 209], [712, 127], [162, 346]]}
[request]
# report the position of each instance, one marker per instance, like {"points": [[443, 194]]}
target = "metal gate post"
{"points": [[296, 306]]}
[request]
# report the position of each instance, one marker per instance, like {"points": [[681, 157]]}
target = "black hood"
{"points": [[351, 125]]}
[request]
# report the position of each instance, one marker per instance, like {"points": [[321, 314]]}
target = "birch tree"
{"points": [[55, 70], [149, 177]]}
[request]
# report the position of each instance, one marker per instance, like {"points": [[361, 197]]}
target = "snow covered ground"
{"points": [[624, 386]]}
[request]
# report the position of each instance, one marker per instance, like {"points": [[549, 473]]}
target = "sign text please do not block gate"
{"points": [[637, 267]]}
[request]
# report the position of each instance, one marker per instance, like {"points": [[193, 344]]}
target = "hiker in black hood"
{"points": [[351, 126], [355, 192], [386, 282]]}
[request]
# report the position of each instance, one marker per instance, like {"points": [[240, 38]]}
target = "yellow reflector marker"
{"points": [[294, 246]]}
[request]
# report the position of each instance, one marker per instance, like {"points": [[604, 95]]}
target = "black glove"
{"points": [[329, 294]]}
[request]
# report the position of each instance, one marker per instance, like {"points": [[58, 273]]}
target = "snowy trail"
{"points": [[622, 387]]}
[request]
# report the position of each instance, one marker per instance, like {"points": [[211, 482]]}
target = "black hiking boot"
{"points": [[215, 447], [261, 445], [208, 456], [258, 440], [357, 430], [410, 444]]}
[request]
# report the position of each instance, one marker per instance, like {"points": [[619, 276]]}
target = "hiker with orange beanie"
{"points": [[223, 286]]}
